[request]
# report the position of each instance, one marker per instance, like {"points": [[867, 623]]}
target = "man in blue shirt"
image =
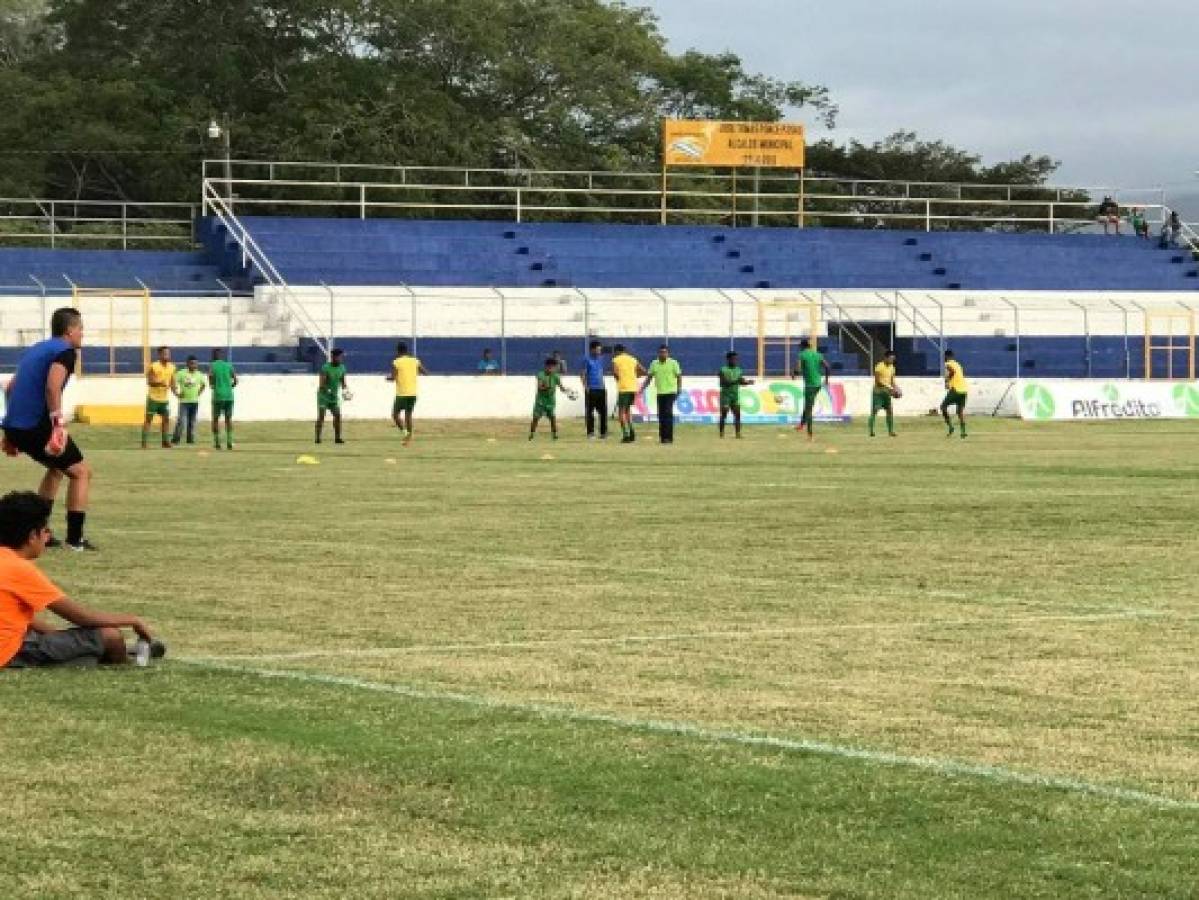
{"points": [[34, 424], [488, 365], [594, 391]]}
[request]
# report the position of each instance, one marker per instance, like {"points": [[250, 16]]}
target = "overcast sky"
{"points": [[1108, 88]]}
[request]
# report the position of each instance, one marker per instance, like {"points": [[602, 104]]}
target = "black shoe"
{"points": [[338, 441], [52, 541], [626, 440], [84, 544]]}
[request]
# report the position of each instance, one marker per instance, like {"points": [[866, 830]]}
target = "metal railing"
{"points": [[253, 255], [791, 199], [97, 224]]}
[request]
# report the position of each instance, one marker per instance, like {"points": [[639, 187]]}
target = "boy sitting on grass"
{"points": [[25, 592]]}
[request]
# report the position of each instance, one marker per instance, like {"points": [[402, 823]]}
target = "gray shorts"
{"points": [[72, 647]]}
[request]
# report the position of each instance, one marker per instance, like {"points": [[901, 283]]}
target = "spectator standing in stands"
{"points": [[1140, 226], [34, 424], [667, 376], [595, 392], [1109, 214], [189, 385], [1171, 230], [488, 365], [559, 362]]}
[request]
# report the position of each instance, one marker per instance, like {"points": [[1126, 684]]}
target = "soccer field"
{"points": [[911, 668]]}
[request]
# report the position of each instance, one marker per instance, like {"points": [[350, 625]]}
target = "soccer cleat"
{"points": [[52, 541], [83, 545], [626, 440], [167, 445], [338, 441]]}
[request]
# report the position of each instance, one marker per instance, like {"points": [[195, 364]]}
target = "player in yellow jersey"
{"points": [[405, 372], [884, 393], [955, 395], [627, 370], [160, 378]]}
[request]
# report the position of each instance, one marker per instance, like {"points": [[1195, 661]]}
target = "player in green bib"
{"points": [[545, 401], [333, 387], [222, 379], [732, 379], [812, 367]]}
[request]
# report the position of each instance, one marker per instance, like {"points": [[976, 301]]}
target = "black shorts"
{"points": [[32, 442], [70, 647]]}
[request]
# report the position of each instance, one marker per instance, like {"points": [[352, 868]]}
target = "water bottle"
{"points": [[141, 653]]}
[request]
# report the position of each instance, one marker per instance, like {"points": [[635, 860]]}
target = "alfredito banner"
{"points": [[1107, 400]]}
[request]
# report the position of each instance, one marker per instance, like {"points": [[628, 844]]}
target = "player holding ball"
{"points": [[34, 423], [884, 392]]}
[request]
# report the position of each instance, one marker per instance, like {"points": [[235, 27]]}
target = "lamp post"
{"points": [[220, 132]]}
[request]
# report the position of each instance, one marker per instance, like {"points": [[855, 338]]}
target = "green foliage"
{"points": [[111, 99]]}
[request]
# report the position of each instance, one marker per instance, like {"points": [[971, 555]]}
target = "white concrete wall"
{"points": [[293, 397]]}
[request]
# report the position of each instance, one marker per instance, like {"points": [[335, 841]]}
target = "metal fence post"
{"points": [[518, 204], [362, 201], [228, 320], [1016, 323], [1086, 329], [53, 226], [1051, 217], [42, 289], [928, 215], [332, 313], [1127, 350], [503, 330]]}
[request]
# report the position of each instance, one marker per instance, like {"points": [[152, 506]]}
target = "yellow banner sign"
{"points": [[774, 145]]}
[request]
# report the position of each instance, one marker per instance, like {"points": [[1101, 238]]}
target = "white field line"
{"points": [[945, 767], [682, 636]]}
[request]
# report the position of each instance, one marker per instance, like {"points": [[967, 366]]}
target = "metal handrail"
{"points": [[45, 221], [218, 165], [864, 341], [262, 262], [938, 341]]}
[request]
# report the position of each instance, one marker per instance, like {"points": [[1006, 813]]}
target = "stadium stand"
{"points": [[952, 280]]}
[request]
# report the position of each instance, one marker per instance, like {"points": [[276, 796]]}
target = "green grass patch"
{"points": [[481, 648]]}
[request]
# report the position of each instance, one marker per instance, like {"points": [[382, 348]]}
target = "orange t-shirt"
{"points": [[24, 592]]}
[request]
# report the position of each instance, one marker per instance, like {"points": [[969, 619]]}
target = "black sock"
{"points": [[75, 526]]}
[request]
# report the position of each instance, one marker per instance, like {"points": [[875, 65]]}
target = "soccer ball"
{"points": [[896, 393], [347, 396], [780, 400], [572, 395]]}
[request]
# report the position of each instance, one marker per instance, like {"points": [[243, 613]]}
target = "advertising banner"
{"points": [[768, 403], [1043, 401], [777, 145]]}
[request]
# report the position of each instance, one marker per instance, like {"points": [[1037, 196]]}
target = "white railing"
{"points": [[92, 223], [253, 255], [789, 199]]}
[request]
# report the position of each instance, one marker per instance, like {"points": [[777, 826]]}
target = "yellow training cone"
{"points": [[306, 460], [547, 456], [390, 461], [832, 450]]}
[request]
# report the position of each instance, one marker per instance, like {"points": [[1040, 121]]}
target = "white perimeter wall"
{"points": [[293, 397]]}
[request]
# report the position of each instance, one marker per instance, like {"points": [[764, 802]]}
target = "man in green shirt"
{"points": [[732, 378], [667, 376], [812, 366], [189, 385], [222, 379], [545, 401], [334, 386]]}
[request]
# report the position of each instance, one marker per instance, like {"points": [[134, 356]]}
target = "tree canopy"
{"points": [[110, 99]]}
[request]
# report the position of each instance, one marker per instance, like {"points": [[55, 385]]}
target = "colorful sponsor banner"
{"points": [[1044, 401], [770, 403], [777, 145]]}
